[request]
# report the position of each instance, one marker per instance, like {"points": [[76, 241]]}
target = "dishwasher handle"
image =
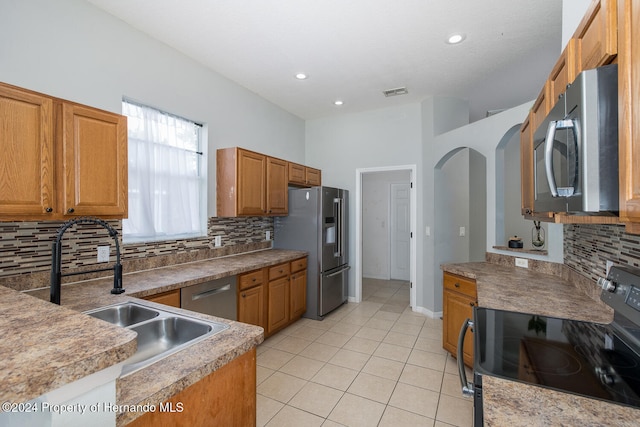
{"points": [[211, 292], [467, 387]]}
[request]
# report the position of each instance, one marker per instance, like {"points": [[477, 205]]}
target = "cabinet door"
{"points": [[26, 163], [95, 162], [313, 177], [251, 306], [456, 309], [277, 187], [251, 183], [563, 73], [298, 295], [597, 36], [277, 304], [171, 298], [629, 113], [526, 166], [297, 174]]}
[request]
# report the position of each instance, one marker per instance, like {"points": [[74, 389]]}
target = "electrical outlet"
{"points": [[427, 231], [217, 241], [609, 265], [268, 237], [463, 232], [103, 253], [522, 262]]}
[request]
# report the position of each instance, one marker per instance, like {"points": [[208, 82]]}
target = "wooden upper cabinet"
{"points": [[27, 160], [250, 184], [540, 109], [313, 177], [596, 38], [629, 112], [304, 176], [277, 189], [297, 174], [95, 162], [563, 73], [60, 159]]}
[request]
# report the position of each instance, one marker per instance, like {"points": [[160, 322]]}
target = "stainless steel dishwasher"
{"points": [[216, 298]]}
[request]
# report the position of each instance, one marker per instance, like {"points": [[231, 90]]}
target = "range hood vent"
{"points": [[395, 92]]}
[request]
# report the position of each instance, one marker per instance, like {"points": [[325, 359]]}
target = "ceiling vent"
{"points": [[395, 92]]}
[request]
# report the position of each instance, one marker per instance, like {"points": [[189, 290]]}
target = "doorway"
{"points": [[385, 219]]}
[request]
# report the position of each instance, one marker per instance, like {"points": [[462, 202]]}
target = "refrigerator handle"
{"points": [[337, 206]]}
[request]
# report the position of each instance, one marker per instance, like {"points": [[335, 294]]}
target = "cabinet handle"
{"points": [[244, 295], [71, 210], [253, 280], [457, 285], [472, 304], [48, 210]]}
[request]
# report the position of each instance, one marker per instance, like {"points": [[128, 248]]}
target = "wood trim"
{"points": [[226, 397]]}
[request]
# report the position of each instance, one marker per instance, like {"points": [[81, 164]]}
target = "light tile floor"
{"points": [[375, 363]]}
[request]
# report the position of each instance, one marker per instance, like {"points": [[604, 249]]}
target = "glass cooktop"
{"points": [[579, 357]]}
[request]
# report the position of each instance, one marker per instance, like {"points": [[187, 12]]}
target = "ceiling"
{"points": [[353, 50]]}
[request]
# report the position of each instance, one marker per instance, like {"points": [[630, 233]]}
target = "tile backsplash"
{"points": [[25, 247], [587, 248]]}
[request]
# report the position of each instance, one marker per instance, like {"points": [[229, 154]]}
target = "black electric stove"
{"points": [[589, 359]]}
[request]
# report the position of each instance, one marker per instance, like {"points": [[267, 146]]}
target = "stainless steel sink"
{"points": [[125, 314], [160, 332]]}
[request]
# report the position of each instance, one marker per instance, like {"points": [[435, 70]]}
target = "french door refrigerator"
{"points": [[317, 223]]}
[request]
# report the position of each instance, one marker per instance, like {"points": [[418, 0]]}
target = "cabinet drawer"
{"points": [[298, 264], [460, 284], [251, 279], [170, 298], [279, 270]]}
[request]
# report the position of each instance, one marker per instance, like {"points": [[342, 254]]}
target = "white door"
{"points": [[400, 231]]}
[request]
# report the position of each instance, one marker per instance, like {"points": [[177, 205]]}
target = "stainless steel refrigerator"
{"points": [[317, 223]]}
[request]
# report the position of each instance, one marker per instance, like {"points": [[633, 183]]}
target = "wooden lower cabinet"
{"points": [[298, 294], [251, 306], [226, 397], [277, 304], [273, 297], [458, 299], [171, 298]]}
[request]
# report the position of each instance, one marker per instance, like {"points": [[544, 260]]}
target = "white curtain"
{"points": [[165, 177]]}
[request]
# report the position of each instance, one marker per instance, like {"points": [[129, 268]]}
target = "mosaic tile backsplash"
{"points": [[25, 247], [587, 248]]}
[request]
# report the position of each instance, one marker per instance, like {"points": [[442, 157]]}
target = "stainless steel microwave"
{"points": [[576, 147]]}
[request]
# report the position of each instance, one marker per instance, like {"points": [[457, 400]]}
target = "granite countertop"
{"points": [[528, 291], [74, 351], [507, 402]]}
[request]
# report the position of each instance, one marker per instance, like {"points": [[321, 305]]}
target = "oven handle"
{"points": [[467, 387]]}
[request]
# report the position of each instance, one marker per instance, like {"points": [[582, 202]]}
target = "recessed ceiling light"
{"points": [[456, 38], [301, 76], [338, 102]]}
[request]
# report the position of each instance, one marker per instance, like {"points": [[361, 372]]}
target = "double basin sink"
{"points": [[160, 332]]}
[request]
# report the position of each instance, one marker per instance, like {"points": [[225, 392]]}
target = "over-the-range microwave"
{"points": [[576, 148]]}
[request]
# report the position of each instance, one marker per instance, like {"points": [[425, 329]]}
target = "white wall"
{"points": [[572, 13], [72, 50], [376, 138]]}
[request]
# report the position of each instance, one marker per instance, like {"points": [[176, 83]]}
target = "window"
{"points": [[166, 177]]}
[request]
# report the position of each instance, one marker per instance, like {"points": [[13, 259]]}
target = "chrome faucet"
{"points": [[56, 258]]}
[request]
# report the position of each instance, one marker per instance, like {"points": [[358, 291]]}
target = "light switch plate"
{"points": [[103, 253], [217, 241], [268, 235], [522, 262]]}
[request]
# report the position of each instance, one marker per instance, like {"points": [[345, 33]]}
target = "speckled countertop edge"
{"points": [[154, 384]]}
